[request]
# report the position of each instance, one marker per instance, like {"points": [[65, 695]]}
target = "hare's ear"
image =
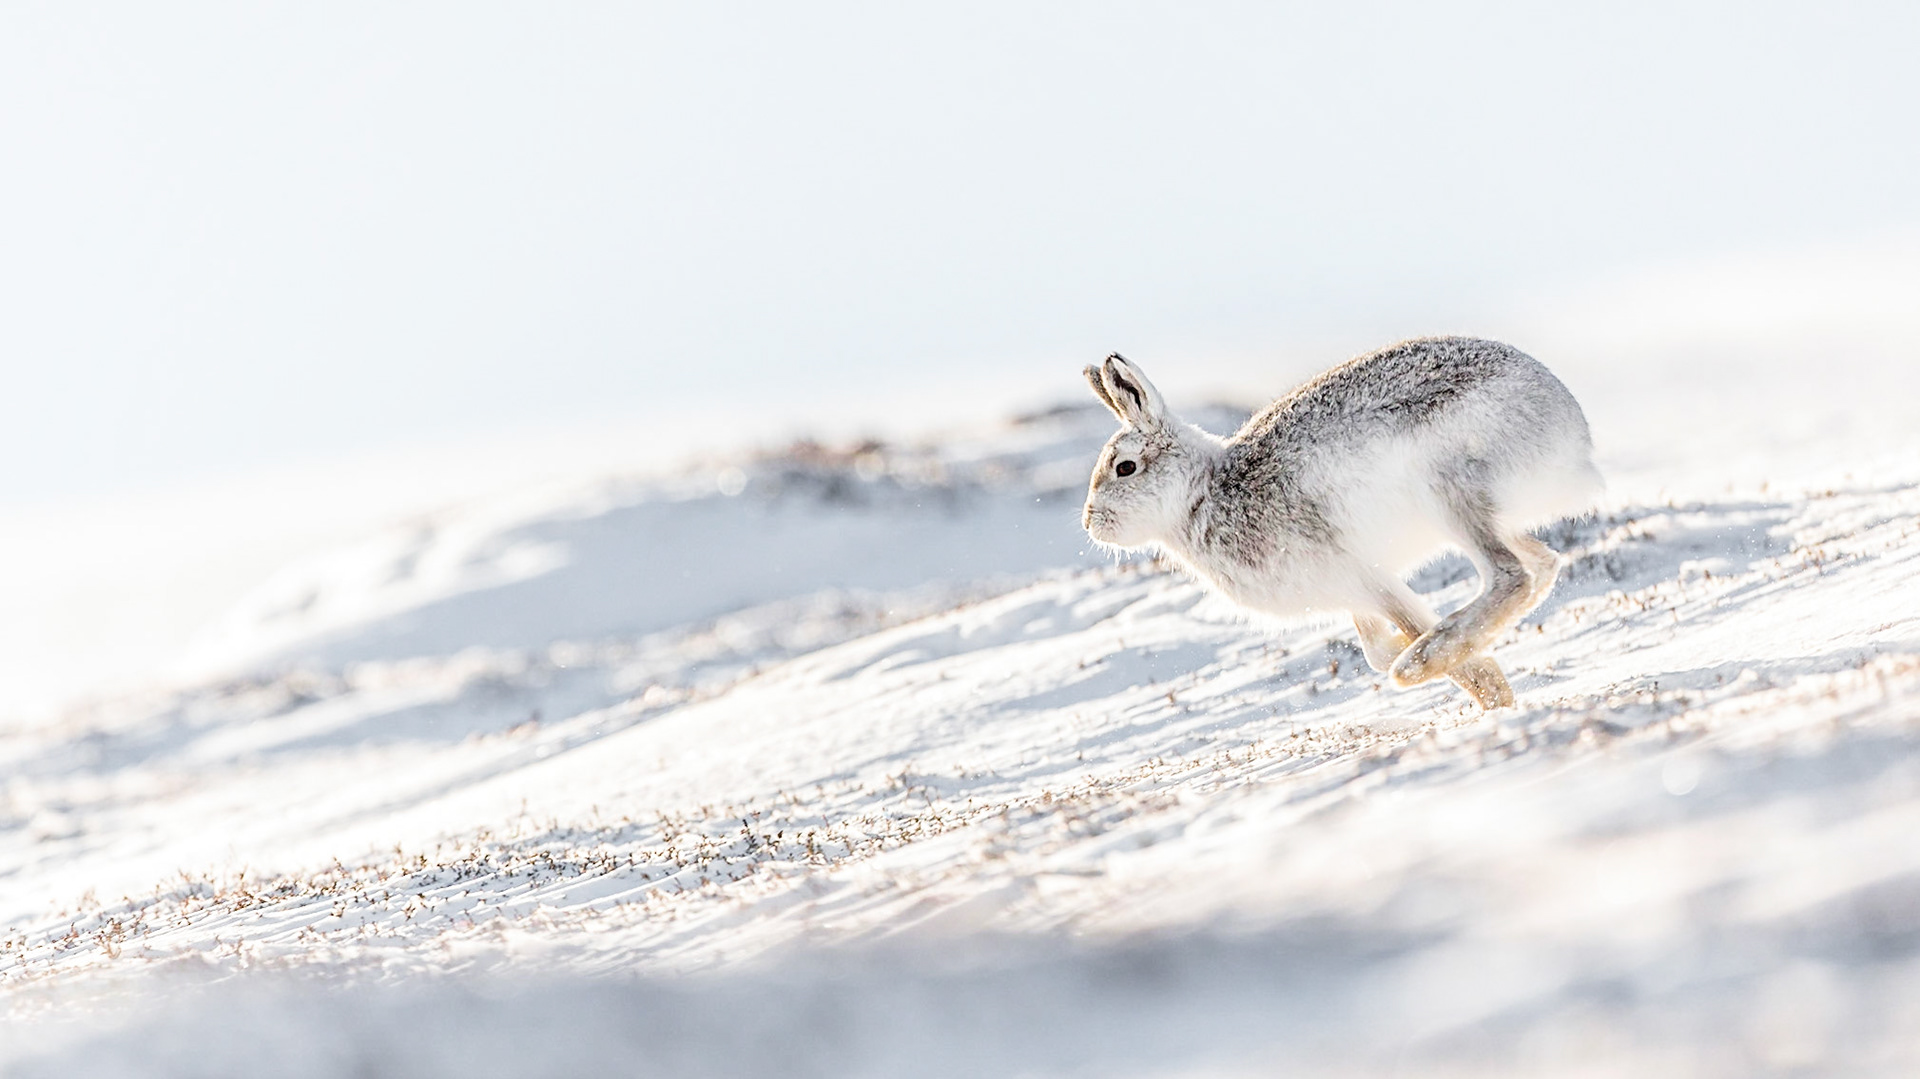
{"points": [[1100, 391], [1130, 395]]}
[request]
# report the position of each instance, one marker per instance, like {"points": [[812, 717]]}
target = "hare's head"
{"points": [[1149, 474]]}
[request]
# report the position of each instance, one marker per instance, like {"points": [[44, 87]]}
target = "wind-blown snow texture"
{"points": [[871, 768]]}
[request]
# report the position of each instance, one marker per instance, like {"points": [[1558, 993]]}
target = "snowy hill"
{"points": [[854, 761]]}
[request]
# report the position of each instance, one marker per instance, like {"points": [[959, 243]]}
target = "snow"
{"points": [[854, 760]]}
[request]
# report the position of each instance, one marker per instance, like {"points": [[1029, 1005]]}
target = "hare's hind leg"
{"points": [[1384, 638], [1483, 680], [1508, 590]]}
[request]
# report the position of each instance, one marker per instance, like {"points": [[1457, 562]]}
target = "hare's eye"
{"points": [[1124, 468]]}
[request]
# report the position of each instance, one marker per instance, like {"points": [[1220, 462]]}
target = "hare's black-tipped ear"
{"points": [[1100, 391], [1130, 395]]}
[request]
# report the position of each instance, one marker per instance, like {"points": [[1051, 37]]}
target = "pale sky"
{"points": [[244, 235]]}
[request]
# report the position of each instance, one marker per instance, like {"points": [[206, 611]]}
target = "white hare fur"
{"points": [[1326, 498]]}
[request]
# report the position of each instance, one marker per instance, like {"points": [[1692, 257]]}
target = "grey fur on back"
{"points": [[1396, 389], [1275, 462]]}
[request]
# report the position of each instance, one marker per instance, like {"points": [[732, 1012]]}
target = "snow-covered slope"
{"points": [[854, 761], [623, 557]]}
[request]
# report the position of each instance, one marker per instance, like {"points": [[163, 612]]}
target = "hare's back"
{"points": [[1381, 432], [1409, 385]]}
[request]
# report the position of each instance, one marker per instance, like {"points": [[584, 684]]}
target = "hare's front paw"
{"points": [[1428, 658], [1438, 654]]}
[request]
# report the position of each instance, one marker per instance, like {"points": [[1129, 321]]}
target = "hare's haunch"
{"points": [[1328, 496]]}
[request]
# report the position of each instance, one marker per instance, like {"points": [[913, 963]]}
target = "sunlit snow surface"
{"points": [[854, 761]]}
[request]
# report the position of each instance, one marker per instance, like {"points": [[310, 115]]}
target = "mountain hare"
{"points": [[1325, 498]]}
